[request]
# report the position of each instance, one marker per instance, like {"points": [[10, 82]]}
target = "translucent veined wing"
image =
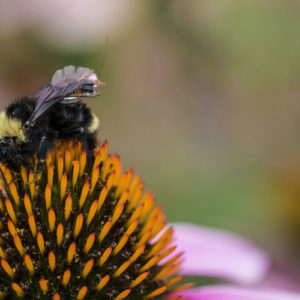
{"points": [[72, 82]]}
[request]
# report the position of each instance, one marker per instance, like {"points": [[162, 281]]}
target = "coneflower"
{"points": [[83, 230]]}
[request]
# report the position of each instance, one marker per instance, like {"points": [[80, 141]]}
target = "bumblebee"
{"points": [[31, 125]]}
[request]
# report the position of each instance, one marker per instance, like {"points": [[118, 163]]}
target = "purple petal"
{"points": [[236, 293], [216, 253]]}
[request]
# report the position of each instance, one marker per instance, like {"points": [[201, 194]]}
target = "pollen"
{"points": [[14, 192], [50, 174], [18, 244], [41, 243], [123, 295], [24, 175], [52, 261], [105, 230], [10, 211], [102, 283], [51, 219], [11, 227], [71, 252], [89, 243], [92, 213], [29, 264], [48, 196], [139, 279], [8, 175], [105, 256], [87, 268], [95, 176], [2, 254], [78, 225], [63, 186], [82, 292], [59, 234], [43, 285], [82, 163], [32, 184], [102, 197], [18, 290], [68, 207], [84, 193], [27, 205], [7, 268], [83, 229], [66, 277], [56, 296], [32, 225]]}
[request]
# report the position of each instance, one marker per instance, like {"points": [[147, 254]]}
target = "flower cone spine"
{"points": [[83, 229]]}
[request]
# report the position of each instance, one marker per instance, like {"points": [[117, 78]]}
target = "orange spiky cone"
{"points": [[83, 230]]}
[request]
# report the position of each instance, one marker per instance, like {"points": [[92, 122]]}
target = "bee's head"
{"points": [[12, 120]]}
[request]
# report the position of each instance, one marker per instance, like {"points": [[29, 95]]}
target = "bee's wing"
{"points": [[64, 82]]}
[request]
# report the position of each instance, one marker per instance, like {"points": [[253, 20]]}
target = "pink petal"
{"points": [[236, 293], [216, 253]]}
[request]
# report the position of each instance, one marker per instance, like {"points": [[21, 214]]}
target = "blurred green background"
{"points": [[202, 97]]}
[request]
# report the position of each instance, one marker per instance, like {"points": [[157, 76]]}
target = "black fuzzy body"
{"points": [[60, 122]]}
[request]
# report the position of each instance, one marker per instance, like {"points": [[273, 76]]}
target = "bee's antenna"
{"points": [[103, 56]]}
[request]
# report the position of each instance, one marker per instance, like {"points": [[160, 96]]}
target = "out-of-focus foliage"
{"points": [[202, 97]]}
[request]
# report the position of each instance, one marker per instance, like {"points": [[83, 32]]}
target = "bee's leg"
{"points": [[41, 154], [4, 179], [86, 144], [67, 134]]}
